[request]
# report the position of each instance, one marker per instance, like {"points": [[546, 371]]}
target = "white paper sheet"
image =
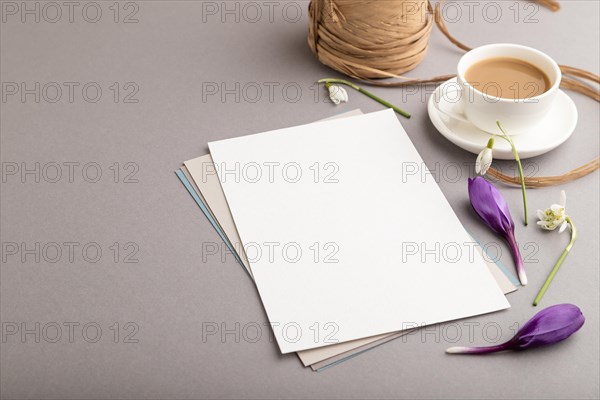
{"points": [[296, 190]]}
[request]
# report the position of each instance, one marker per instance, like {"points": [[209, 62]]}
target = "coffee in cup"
{"points": [[508, 78]]}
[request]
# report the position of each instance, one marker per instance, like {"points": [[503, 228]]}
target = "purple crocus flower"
{"points": [[491, 207], [549, 326]]}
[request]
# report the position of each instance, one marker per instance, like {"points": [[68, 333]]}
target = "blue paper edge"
{"points": [[351, 356], [209, 216], [512, 278]]}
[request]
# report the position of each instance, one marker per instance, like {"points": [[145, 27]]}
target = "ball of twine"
{"points": [[370, 39]]}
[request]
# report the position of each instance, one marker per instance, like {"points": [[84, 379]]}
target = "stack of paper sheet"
{"points": [[347, 250]]}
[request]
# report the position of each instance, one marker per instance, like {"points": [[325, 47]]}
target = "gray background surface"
{"points": [[170, 54]]}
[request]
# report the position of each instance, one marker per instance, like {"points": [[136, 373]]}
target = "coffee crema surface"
{"points": [[508, 78]]}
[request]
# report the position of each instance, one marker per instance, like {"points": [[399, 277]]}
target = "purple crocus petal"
{"points": [[549, 326], [491, 207]]}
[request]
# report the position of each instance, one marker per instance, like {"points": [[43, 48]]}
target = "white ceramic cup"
{"points": [[484, 105]]}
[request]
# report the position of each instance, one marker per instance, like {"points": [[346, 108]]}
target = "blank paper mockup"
{"points": [[344, 240]]}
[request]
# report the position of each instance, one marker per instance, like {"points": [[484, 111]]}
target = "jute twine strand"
{"points": [[369, 40]]}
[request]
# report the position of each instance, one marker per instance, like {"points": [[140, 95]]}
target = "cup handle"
{"points": [[454, 115]]}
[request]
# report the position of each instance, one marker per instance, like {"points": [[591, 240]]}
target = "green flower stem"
{"points": [[562, 257], [363, 91], [518, 160]]}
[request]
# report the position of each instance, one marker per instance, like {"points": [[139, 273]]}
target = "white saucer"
{"points": [[546, 136]]}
